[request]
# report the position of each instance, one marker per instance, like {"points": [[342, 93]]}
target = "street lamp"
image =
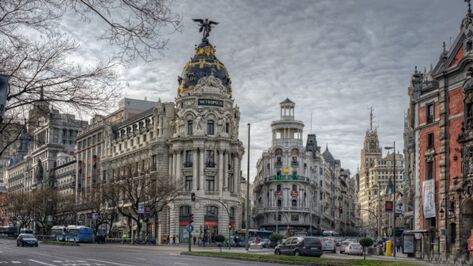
{"points": [[394, 194]]}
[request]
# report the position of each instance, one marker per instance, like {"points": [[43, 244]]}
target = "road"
{"points": [[101, 255]]}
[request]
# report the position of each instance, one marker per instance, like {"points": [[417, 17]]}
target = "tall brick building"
{"points": [[438, 153]]}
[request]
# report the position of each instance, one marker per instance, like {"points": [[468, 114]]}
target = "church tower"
{"points": [[370, 152]]}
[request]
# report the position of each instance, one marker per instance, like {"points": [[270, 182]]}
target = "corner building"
{"points": [[287, 186], [204, 151]]}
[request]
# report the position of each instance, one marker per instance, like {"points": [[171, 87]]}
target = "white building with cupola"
{"points": [[289, 177]]}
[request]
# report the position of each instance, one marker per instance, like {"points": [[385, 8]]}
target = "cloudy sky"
{"points": [[334, 59]]}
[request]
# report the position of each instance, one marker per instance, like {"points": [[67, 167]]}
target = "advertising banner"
{"points": [[408, 244], [3, 93], [429, 199]]}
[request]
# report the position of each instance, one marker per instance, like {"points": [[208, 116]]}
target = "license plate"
{"points": [[314, 248]]}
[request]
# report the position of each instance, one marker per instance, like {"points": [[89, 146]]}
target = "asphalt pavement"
{"points": [[108, 254]]}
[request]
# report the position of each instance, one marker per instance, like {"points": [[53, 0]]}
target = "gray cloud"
{"points": [[333, 58]]}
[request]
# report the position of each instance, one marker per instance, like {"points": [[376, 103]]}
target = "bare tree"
{"points": [[20, 208], [40, 57], [153, 191]]}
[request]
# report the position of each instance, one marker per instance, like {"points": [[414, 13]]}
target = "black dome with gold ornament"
{"points": [[204, 63]]}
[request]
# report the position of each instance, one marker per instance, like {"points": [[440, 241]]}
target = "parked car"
{"points": [[354, 249], [26, 240], [309, 246], [343, 245], [328, 244]]}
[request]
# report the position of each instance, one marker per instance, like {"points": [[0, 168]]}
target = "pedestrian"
{"points": [[174, 239], [195, 239]]}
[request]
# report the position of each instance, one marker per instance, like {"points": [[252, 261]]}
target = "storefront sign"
{"points": [[429, 199], [408, 244], [210, 102]]}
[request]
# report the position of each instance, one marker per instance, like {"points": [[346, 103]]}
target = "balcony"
{"points": [[287, 142], [187, 164], [210, 164], [288, 178]]}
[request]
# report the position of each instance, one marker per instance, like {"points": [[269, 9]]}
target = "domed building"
{"points": [[205, 153]]}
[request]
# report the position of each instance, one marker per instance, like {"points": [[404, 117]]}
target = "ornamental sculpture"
{"points": [[205, 26]]}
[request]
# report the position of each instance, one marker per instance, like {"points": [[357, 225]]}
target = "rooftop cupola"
{"points": [[287, 109]]}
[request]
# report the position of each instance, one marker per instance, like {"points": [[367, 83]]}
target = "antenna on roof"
{"points": [[371, 118], [311, 122]]}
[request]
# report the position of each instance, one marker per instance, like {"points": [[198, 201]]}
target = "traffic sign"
{"points": [[141, 207], [190, 228]]}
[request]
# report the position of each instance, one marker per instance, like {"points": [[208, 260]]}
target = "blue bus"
{"points": [[79, 233]]}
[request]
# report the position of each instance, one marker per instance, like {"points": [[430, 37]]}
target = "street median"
{"points": [[296, 260]]}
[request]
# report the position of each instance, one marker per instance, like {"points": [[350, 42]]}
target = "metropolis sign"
{"points": [[210, 102]]}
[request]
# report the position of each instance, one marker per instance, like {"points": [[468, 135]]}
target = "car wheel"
{"points": [[17, 244], [36, 245], [296, 253], [277, 252]]}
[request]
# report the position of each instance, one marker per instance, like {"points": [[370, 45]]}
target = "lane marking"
{"points": [[42, 263], [110, 262], [15, 262], [180, 263]]}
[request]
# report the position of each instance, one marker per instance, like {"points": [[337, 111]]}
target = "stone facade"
{"points": [[298, 189], [439, 149]]}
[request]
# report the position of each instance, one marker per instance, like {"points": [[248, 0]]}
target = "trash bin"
{"points": [[389, 248]]}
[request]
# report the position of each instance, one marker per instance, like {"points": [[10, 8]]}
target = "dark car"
{"points": [[26, 240], [309, 246]]}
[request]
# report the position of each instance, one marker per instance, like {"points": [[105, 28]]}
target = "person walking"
{"points": [[173, 239], [195, 239]]}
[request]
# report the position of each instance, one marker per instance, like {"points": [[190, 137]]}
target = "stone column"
{"points": [[171, 161], [178, 167], [201, 169], [220, 172], [225, 172], [236, 175], [194, 169]]}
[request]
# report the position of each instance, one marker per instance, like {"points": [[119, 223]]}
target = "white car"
{"points": [[328, 244], [354, 249], [344, 245]]}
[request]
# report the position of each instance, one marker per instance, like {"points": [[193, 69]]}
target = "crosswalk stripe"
{"points": [[42, 263]]}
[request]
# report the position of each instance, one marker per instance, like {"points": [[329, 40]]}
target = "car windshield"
{"points": [[311, 241], [27, 236], [355, 245]]}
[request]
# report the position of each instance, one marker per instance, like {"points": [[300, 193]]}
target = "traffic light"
{"points": [[193, 196], [191, 218]]}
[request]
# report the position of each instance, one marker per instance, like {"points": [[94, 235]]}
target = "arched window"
{"points": [[278, 188], [190, 125], [279, 203], [278, 152], [210, 127], [184, 211], [211, 211], [294, 187], [294, 203]]}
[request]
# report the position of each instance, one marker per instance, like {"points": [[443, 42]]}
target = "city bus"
{"points": [[8, 231], [240, 235], [80, 233]]}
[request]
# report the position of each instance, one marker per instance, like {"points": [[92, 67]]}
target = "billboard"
{"points": [[3, 93], [429, 199]]}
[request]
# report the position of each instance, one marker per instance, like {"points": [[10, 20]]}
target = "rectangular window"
{"points": [[295, 218], [430, 141], [154, 162], [144, 138], [188, 159], [210, 127], [210, 160], [190, 125], [188, 184], [430, 115], [150, 135], [210, 183], [429, 170]]}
